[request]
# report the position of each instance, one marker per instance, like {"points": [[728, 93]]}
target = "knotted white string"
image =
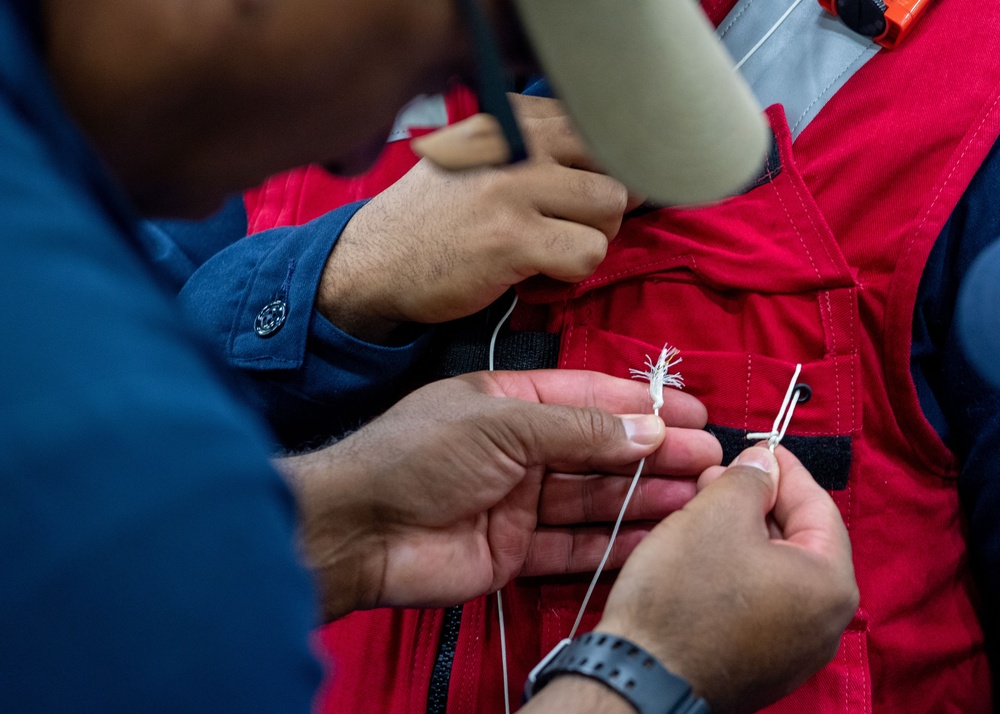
{"points": [[781, 422], [659, 376]]}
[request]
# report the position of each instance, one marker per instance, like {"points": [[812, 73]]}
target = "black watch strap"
{"points": [[622, 666]]}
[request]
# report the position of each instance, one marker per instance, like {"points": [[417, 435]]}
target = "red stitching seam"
{"points": [[951, 173], [836, 363], [634, 270], [567, 342], [854, 357], [797, 232], [746, 413], [816, 229], [866, 699], [426, 647], [477, 612], [847, 680], [829, 307], [886, 368]]}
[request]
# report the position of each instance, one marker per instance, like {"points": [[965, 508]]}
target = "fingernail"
{"points": [[758, 458], [643, 429]]}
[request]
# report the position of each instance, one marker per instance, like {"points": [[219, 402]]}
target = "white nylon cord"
{"points": [[503, 654], [658, 374], [493, 340], [607, 552], [503, 633], [767, 34], [781, 421]]}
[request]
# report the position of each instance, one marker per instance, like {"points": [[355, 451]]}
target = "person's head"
{"points": [[191, 99], [188, 99]]}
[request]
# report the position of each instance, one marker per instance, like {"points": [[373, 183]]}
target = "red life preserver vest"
{"points": [[819, 265]]}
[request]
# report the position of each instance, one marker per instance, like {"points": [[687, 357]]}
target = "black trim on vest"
{"points": [[828, 458]]}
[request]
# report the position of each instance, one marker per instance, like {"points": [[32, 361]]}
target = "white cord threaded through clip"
{"points": [[784, 417]]}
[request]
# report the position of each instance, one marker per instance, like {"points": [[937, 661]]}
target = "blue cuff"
{"points": [[351, 355], [342, 383], [254, 300]]}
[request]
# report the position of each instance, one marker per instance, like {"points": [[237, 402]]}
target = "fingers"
{"points": [[570, 499], [713, 472], [583, 197], [548, 131], [576, 213], [583, 438], [742, 495], [806, 514], [577, 439], [551, 136], [593, 389], [555, 138], [563, 250], [470, 143], [560, 551], [683, 453]]}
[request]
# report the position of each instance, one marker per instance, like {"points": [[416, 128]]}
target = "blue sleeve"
{"points": [[252, 297], [147, 548], [962, 406]]}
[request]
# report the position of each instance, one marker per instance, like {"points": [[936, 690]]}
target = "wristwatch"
{"points": [[623, 667]]}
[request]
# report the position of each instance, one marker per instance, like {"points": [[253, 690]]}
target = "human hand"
{"points": [[439, 245], [743, 611], [441, 499]]}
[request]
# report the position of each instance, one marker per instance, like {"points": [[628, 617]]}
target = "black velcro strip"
{"points": [[828, 458]]}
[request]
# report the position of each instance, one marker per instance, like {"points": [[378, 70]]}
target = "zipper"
{"points": [[437, 693]]}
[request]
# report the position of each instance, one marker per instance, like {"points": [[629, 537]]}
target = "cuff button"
{"points": [[271, 318]]}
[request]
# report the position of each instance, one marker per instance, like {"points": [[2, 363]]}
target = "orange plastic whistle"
{"points": [[887, 22]]}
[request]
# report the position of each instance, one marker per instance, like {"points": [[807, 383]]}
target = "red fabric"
{"points": [[365, 670], [820, 266]]}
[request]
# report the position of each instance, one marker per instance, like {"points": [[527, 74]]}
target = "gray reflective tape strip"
{"points": [[427, 111], [802, 64]]}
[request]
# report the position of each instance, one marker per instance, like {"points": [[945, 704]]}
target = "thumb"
{"points": [[573, 438], [742, 494]]}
